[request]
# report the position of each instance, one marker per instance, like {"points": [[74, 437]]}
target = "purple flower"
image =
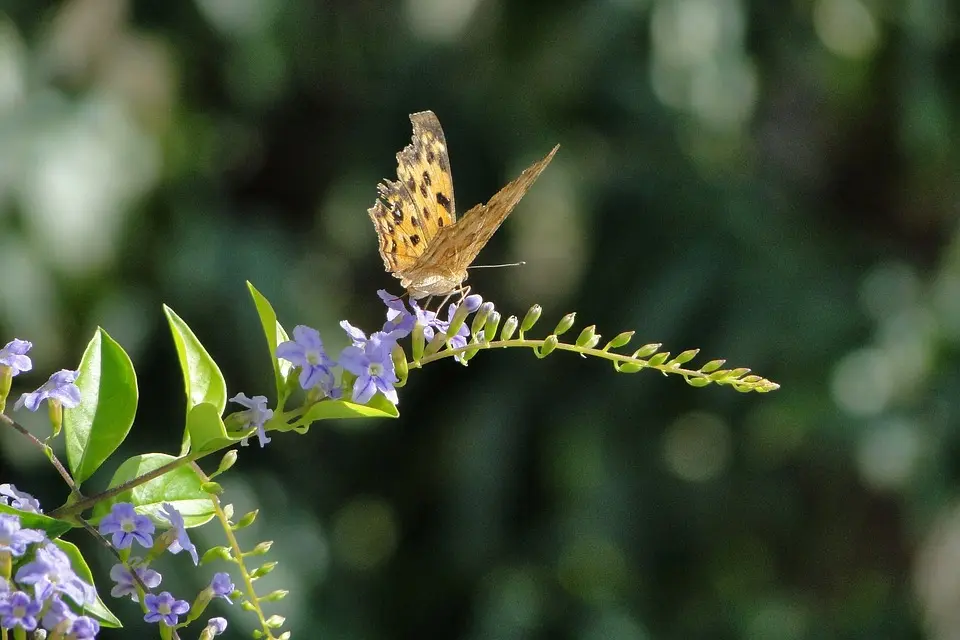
{"points": [[306, 351], [256, 415], [126, 585], [18, 609], [13, 497], [57, 611], [51, 573], [126, 525], [373, 366], [180, 530], [84, 628], [221, 586], [217, 626], [13, 539], [164, 607], [14, 355], [60, 388], [399, 320]]}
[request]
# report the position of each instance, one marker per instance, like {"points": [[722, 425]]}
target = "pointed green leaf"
{"points": [[202, 379], [180, 487], [108, 405], [98, 609], [275, 334], [51, 526], [378, 407], [206, 429]]}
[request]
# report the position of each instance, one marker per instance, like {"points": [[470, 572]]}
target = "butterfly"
{"points": [[421, 241]]}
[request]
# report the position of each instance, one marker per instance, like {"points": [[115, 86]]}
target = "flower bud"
{"points": [[509, 327], [565, 323], [533, 314], [490, 328], [418, 342], [480, 319], [459, 317], [399, 364], [549, 344]]}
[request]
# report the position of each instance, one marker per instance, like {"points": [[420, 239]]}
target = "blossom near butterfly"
{"points": [[421, 241]]}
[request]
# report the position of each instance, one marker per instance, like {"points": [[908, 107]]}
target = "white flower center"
{"points": [[375, 369]]}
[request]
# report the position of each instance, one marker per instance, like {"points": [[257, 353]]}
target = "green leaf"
{"points": [[202, 379], [206, 429], [378, 407], [275, 334], [108, 405], [98, 609], [180, 487], [51, 526]]}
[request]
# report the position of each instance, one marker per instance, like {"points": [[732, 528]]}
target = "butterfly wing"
{"points": [[455, 247], [412, 210]]}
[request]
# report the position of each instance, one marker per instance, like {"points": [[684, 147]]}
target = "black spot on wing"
{"points": [[415, 239], [443, 201]]}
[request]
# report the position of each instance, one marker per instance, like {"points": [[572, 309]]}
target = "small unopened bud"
{"points": [[588, 338], [247, 519], [480, 319], [459, 317], [418, 342], [565, 323], [533, 314], [549, 344], [213, 488], [509, 327], [490, 328], [399, 364], [227, 461]]}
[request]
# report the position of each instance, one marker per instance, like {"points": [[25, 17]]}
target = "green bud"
{"points": [[509, 327], [246, 520], [647, 350], [480, 318], [565, 323], [260, 549], [216, 553], [698, 382], [246, 605], [400, 364], [711, 366], [227, 461], [684, 357], [459, 317], [588, 338], [284, 636], [275, 621], [490, 328], [533, 314], [659, 359], [549, 344], [213, 488], [628, 367], [273, 596], [6, 380], [55, 410], [418, 342], [620, 340], [228, 510], [263, 570], [435, 345]]}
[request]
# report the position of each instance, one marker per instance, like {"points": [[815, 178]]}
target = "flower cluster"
{"points": [[134, 577], [368, 361], [41, 589]]}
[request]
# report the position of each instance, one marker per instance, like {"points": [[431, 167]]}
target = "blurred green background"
{"points": [[777, 183]]}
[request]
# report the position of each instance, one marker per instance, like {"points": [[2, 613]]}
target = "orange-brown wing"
{"points": [[456, 247], [411, 211]]}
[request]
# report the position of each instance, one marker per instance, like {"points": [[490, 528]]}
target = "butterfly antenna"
{"points": [[496, 266]]}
